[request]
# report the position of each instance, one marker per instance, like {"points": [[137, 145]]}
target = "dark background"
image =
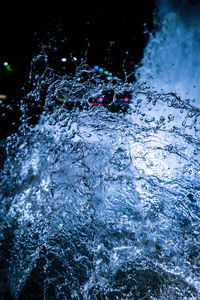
{"points": [[111, 33]]}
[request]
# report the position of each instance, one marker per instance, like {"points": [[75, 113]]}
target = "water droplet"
{"points": [[170, 117]]}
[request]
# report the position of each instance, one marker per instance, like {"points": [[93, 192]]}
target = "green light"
{"points": [[8, 68]]}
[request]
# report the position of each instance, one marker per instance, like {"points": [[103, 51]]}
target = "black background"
{"points": [[71, 26], [111, 33]]}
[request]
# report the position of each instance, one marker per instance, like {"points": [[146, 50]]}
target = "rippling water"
{"points": [[101, 203]]}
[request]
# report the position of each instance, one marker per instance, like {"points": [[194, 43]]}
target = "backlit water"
{"points": [[102, 203]]}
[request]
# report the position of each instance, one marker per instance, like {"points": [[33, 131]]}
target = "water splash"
{"points": [[171, 59], [99, 202]]}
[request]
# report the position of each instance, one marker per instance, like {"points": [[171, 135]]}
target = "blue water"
{"points": [[171, 59], [98, 204]]}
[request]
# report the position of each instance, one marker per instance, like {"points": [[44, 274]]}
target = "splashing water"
{"points": [[171, 61], [102, 203]]}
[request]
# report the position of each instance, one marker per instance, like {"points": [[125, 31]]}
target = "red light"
{"points": [[100, 99], [93, 102], [126, 99]]}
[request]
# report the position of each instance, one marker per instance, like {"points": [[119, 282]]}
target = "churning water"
{"points": [[171, 61], [104, 203]]}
